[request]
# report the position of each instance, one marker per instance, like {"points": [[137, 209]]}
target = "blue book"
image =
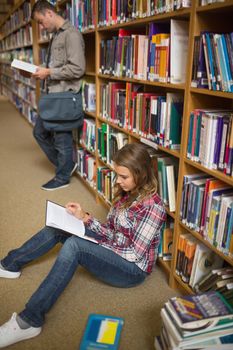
{"points": [[223, 68], [102, 332], [190, 135], [227, 64], [211, 62]]}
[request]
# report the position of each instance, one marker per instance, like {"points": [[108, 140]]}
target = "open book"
{"points": [[28, 67], [58, 217]]}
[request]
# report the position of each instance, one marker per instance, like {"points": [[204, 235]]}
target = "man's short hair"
{"points": [[41, 6]]}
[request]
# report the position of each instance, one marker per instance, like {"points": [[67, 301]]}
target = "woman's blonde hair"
{"points": [[137, 160]]}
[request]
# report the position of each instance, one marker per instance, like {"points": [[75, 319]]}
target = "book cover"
{"points": [[28, 67], [188, 259], [205, 260], [179, 50], [194, 311], [102, 332]]}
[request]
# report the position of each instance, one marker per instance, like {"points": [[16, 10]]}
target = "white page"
{"points": [[58, 217], [28, 67]]}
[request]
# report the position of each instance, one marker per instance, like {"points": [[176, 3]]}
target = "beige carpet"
{"points": [[22, 207]]}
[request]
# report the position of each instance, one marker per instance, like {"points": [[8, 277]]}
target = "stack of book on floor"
{"points": [[202, 321]]}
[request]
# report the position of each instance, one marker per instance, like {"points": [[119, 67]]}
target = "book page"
{"points": [[28, 67], [58, 217]]}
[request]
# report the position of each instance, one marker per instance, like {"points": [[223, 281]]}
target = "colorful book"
{"points": [[195, 311], [102, 332]]}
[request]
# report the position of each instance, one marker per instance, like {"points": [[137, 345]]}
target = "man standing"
{"points": [[65, 68]]}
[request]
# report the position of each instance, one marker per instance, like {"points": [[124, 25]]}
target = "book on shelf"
{"points": [[179, 51], [188, 259], [89, 96], [205, 260], [166, 240], [207, 281], [206, 207], [102, 332], [212, 61], [168, 178]]}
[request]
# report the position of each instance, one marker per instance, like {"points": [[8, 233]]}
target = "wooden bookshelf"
{"points": [[200, 18]]}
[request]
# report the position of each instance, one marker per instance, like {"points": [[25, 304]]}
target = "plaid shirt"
{"points": [[133, 233]]}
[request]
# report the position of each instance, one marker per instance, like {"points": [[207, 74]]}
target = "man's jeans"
{"points": [[58, 146], [101, 262]]}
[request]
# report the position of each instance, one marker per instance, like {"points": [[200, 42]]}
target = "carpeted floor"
{"points": [[24, 168]]}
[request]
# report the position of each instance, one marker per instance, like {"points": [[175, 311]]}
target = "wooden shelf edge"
{"points": [[165, 265], [207, 92], [208, 244], [215, 173], [143, 82]]}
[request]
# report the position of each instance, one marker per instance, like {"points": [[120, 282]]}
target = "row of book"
{"points": [[105, 183], [88, 135], [112, 12], [86, 166], [194, 260], [20, 38], [207, 207], [109, 142], [81, 13], [202, 321], [151, 115], [159, 56], [213, 61], [101, 178], [27, 93], [210, 140], [20, 78], [23, 107], [24, 54], [21, 16], [89, 96]]}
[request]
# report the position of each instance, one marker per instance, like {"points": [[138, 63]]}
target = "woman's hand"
{"points": [[76, 210]]}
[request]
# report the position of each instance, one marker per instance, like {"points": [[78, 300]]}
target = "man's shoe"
{"points": [[54, 185], [9, 274], [74, 168], [11, 333]]}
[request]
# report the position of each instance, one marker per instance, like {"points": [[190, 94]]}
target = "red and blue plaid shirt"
{"points": [[134, 232]]}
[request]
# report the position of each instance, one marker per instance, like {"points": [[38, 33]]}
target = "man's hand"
{"points": [[76, 210], [41, 73]]}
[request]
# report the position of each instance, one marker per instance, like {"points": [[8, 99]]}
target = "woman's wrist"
{"points": [[85, 217]]}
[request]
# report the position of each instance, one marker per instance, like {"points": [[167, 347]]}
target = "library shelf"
{"points": [[200, 18], [165, 265]]}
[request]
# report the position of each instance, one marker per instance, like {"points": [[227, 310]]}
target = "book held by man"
{"points": [[22, 65]]}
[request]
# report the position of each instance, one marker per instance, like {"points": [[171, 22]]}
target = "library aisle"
{"points": [[23, 169]]}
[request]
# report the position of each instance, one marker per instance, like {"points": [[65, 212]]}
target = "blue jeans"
{"points": [[101, 262], [58, 147]]}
